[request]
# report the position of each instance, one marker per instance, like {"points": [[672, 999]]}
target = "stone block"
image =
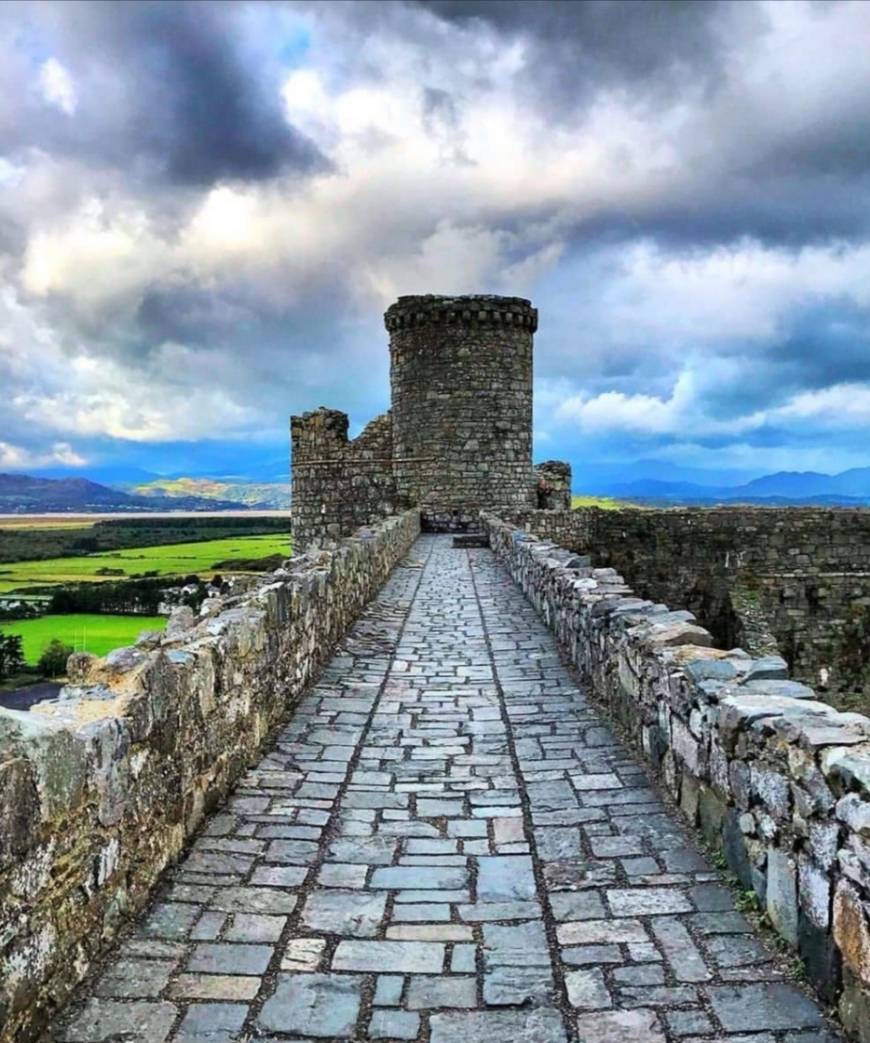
{"points": [[763, 1007], [821, 957], [325, 1006], [781, 899], [711, 815], [854, 1008], [852, 930]]}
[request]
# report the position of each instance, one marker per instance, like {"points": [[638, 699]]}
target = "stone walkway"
{"points": [[447, 844]]}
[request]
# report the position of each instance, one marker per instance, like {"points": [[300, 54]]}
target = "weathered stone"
{"points": [[394, 1024], [135, 978], [620, 1026], [105, 1020], [322, 1005], [767, 1007], [214, 987], [212, 1023], [852, 930], [419, 877], [504, 878], [587, 989], [782, 894], [647, 901], [354, 913], [390, 956], [534, 1025], [432, 991]]}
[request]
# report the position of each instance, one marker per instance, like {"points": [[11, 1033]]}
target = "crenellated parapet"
{"points": [[461, 389], [458, 437], [339, 484], [470, 310]]}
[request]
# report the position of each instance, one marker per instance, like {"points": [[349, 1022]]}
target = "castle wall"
{"points": [[339, 485], [553, 485], [461, 381], [775, 779], [794, 579], [98, 797]]}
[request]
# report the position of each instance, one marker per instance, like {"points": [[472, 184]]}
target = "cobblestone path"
{"points": [[447, 844]]}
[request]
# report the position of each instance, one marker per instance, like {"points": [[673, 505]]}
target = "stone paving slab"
{"points": [[446, 844]]}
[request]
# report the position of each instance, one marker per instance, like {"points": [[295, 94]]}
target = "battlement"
{"points": [[458, 437], [317, 427], [411, 312], [339, 484]]}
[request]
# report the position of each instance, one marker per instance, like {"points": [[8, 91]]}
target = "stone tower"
{"points": [[457, 439], [461, 384]]}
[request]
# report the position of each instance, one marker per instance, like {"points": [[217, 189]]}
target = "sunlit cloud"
{"points": [[194, 253]]}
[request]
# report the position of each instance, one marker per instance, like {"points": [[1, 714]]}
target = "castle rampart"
{"points": [[461, 383], [339, 484], [776, 780], [458, 437], [99, 793], [798, 577]]}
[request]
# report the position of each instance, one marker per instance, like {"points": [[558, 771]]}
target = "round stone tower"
{"points": [[461, 382]]}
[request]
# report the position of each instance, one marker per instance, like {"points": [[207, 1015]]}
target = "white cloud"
{"points": [[96, 257], [57, 86], [484, 189], [840, 407], [18, 458]]}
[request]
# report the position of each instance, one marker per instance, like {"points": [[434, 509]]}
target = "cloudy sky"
{"points": [[205, 209]]}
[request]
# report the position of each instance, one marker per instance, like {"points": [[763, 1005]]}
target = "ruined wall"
{"points": [[100, 794], [776, 779], [553, 485], [339, 485], [461, 381], [760, 578]]}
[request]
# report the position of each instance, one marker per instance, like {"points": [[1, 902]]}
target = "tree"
{"points": [[52, 662], [11, 655]]}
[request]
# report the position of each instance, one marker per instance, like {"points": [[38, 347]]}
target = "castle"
{"points": [[388, 715], [458, 436]]}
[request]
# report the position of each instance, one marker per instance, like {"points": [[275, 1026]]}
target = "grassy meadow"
{"points": [[175, 559], [98, 634], [606, 503]]}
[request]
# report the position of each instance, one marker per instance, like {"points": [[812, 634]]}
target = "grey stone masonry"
{"points": [[461, 384], [339, 484], [777, 781], [553, 489], [446, 844], [102, 788], [793, 580]]}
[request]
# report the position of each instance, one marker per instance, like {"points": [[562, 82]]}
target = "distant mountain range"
{"points": [[143, 491], [257, 495], [24, 494], [849, 488]]}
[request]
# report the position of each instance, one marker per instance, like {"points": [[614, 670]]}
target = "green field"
{"points": [[606, 503], [173, 559], [84, 633]]}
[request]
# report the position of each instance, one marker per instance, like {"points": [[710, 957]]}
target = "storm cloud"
{"points": [[205, 207], [159, 89]]}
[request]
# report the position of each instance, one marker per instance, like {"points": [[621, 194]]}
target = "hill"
{"points": [[784, 488], [24, 494], [257, 495]]}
